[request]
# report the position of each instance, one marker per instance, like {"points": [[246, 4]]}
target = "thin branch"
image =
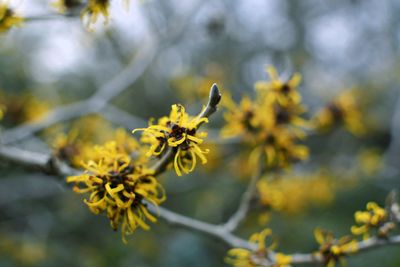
{"points": [[202, 227], [163, 162], [149, 50], [241, 212], [122, 118], [34, 160], [24, 158], [95, 103]]}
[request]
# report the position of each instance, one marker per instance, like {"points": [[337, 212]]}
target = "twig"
{"points": [[241, 212], [148, 52], [202, 227], [123, 118], [42, 162], [95, 103], [163, 162]]}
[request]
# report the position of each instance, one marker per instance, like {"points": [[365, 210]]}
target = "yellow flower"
{"points": [[282, 194], [67, 148], [24, 107], [283, 260], [3, 110], [34, 109], [370, 161], [8, 18], [178, 131], [240, 257], [281, 149], [285, 92], [94, 8], [65, 5], [343, 109], [272, 123], [333, 250], [243, 119], [118, 187], [77, 144], [373, 218]]}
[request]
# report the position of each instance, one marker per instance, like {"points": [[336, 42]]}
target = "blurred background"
{"points": [[171, 52]]}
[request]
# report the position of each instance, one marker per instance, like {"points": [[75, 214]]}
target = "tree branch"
{"points": [[241, 212], [95, 103], [34, 160], [202, 227], [149, 50]]}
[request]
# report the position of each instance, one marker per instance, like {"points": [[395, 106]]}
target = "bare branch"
{"points": [[95, 103], [149, 50], [123, 118], [42, 162], [202, 227], [241, 212]]}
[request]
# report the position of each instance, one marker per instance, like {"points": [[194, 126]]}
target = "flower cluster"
{"points": [[240, 257], [272, 122], [333, 250], [23, 108], [77, 144], [373, 218], [178, 132], [282, 194], [8, 18], [120, 188], [344, 109]]}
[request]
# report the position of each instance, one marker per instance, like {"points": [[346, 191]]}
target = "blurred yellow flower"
{"points": [[118, 187], [283, 194], [3, 110], [370, 161], [23, 108], [8, 18], [24, 252], [343, 109], [95, 8], [65, 5], [77, 144], [285, 92]]}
